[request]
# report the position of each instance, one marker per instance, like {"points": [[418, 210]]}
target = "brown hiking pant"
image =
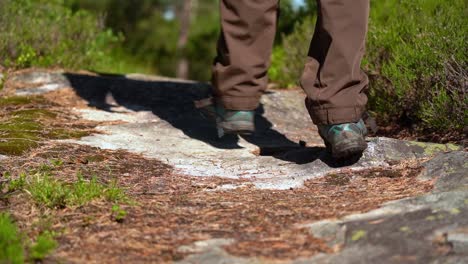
{"points": [[332, 77]]}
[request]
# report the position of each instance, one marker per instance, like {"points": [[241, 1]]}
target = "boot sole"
{"points": [[239, 132], [239, 128], [354, 149]]}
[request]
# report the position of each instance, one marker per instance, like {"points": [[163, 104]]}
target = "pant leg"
{"points": [[332, 77], [244, 49]]}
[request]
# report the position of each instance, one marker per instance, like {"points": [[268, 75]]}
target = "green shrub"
{"points": [[416, 60], [46, 33]]}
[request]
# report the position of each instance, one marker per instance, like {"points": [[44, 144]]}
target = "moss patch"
{"points": [[25, 124], [29, 114], [431, 148], [20, 100]]}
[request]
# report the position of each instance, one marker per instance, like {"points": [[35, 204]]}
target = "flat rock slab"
{"points": [[156, 117]]}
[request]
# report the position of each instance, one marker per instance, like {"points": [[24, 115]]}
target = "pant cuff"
{"points": [[239, 103], [333, 116]]}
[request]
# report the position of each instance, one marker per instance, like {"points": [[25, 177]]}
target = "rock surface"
{"points": [[426, 229], [159, 121]]}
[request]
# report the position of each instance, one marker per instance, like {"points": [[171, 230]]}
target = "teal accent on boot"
{"points": [[344, 140]]}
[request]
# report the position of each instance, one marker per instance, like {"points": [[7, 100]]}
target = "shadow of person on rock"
{"points": [[171, 101], [304, 155]]}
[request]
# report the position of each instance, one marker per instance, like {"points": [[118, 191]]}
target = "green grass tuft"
{"points": [[47, 191], [84, 191], [50, 192], [114, 193]]}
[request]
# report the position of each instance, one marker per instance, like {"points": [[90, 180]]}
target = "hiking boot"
{"points": [[228, 121], [235, 122], [344, 140]]}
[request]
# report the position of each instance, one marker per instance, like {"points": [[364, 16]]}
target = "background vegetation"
{"points": [[416, 59], [417, 56], [47, 33]]}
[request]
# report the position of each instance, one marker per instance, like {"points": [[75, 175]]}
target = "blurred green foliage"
{"points": [[418, 62], [44, 33], [117, 36], [416, 59], [150, 30], [11, 248], [16, 247], [289, 57]]}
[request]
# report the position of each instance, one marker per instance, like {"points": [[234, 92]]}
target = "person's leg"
{"points": [[248, 30], [332, 78]]}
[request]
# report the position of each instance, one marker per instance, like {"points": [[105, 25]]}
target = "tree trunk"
{"points": [[184, 17]]}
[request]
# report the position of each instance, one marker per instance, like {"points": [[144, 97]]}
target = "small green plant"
{"points": [[27, 56], [114, 193], [118, 213], [16, 184], [44, 245], [45, 168], [84, 191], [47, 191], [11, 247], [56, 162]]}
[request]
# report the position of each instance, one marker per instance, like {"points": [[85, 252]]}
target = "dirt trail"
{"points": [[272, 197]]}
